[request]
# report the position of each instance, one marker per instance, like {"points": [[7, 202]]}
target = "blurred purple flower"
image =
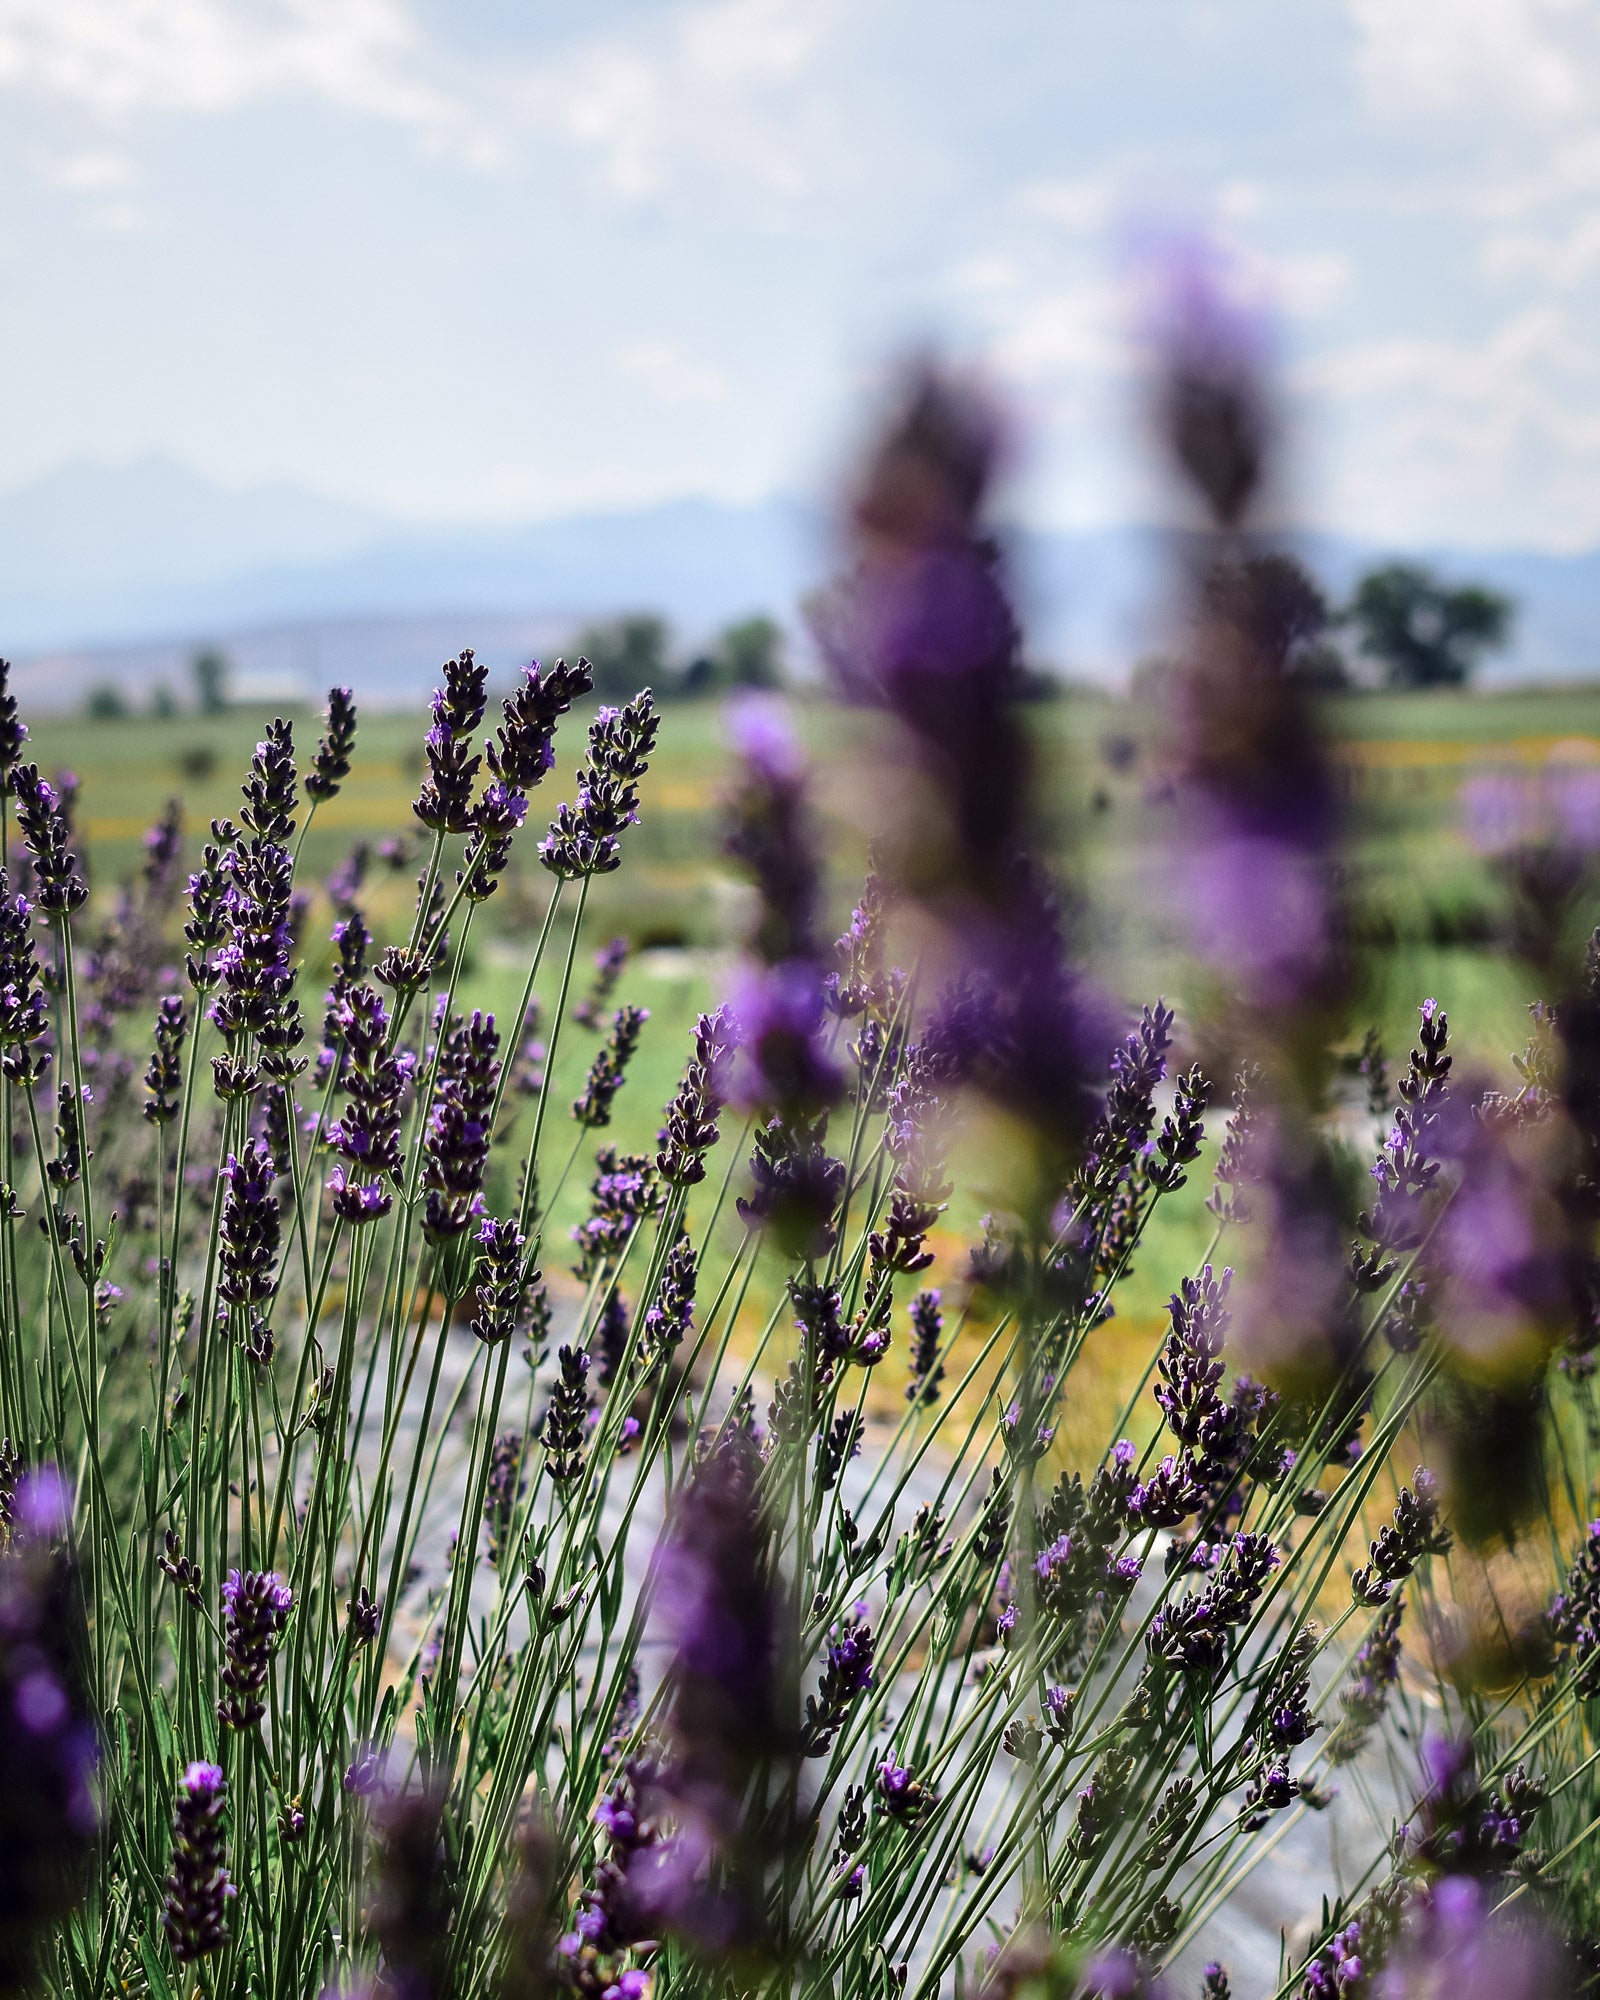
{"points": [[1455, 1947], [783, 1061]]}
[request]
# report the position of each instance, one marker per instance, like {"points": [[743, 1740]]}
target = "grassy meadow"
{"points": [[1426, 902]]}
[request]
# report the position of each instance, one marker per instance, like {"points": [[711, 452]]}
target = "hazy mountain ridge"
{"points": [[117, 574]]}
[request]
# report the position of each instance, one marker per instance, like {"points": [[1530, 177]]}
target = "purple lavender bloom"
{"points": [[255, 1605], [331, 764], [622, 1191], [456, 1144], [924, 627], [523, 749], [24, 1015], [585, 839], [716, 1601], [445, 800], [609, 1069], [199, 1887], [731, 1703], [670, 1319], [13, 733], [164, 1077], [903, 1796], [254, 959], [250, 1228], [1454, 1946], [495, 818], [47, 834], [767, 828], [1373, 1674], [783, 1060], [1498, 1256], [1192, 1633], [565, 1432], [692, 1117], [1337, 1967], [1415, 1532], [796, 1186], [269, 787], [1212, 348], [368, 1135], [502, 1280], [365, 1773], [847, 1672], [47, 1739], [1574, 1615], [352, 940], [927, 1339]]}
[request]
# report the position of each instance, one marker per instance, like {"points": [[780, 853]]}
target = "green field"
{"points": [[1428, 902]]}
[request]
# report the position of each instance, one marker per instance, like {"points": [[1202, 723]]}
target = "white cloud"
{"points": [[1494, 439], [1076, 332], [1560, 261], [1530, 56], [670, 374], [720, 92], [718, 85], [1304, 284], [117, 58], [91, 172]]}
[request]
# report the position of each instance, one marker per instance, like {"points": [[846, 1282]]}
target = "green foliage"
{"points": [[211, 676], [749, 654], [106, 704], [1424, 632], [627, 654]]}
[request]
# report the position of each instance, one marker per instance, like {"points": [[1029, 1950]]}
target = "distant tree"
{"points": [[702, 676], [211, 674], [106, 704], [1424, 632], [750, 653], [628, 654], [163, 703]]}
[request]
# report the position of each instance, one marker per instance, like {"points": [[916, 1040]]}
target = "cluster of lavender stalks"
{"points": [[729, 1684]]}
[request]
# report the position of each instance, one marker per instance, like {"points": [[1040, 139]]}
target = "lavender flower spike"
{"points": [[524, 744], [199, 1887], [607, 1071], [13, 734], [456, 1146], [42, 817], [250, 1228], [445, 800], [255, 1605], [164, 1078], [24, 1016], [501, 1280], [331, 764], [691, 1128], [585, 839]]}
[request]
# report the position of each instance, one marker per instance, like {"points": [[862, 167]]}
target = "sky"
{"points": [[503, 259]]}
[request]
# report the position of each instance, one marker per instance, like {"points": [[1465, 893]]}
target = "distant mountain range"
{"points": [[117, 575]]}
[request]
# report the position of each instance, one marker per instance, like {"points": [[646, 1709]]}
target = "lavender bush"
{"points": [[373, 1621]]}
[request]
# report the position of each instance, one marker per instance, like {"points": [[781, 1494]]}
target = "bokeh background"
{"points": [[340, 334]]}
